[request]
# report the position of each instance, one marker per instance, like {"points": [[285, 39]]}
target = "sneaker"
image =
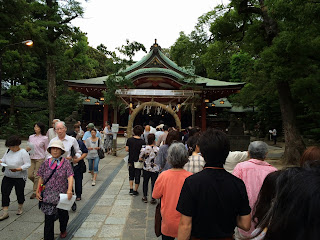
{"points": [[131, 192], [78, 199], [63, 234], [135, 193], [153, 201], [74, 207], [4, 216], [144, 199], [33, 196], [93, 183]]}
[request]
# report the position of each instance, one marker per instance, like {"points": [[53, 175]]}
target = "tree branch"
{"points": [[67, 20]]}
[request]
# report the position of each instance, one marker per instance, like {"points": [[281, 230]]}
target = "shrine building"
{"points": [[163, 92]]}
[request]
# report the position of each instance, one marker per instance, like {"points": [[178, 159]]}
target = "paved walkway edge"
{"points": [[85, 211]]}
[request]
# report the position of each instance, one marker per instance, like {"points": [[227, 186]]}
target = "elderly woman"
{"points": [[57, 174], [168, 187], [17, 161], [252, 173], [40, 142]]}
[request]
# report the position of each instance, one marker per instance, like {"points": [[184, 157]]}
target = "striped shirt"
{"points": [[196, 164]]}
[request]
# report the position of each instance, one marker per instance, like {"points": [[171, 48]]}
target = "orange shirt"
{"points": [[168, 187]]}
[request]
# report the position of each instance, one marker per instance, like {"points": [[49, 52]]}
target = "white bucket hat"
{"points": [[57, 144]]}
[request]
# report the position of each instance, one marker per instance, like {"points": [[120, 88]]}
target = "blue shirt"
{"points": [[87, 134]]}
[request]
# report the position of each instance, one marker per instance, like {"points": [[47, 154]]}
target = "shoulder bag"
{"points": [[100, 150], [157, 220]]}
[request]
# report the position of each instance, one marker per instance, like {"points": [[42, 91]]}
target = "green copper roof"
{"points": [[215, 83], [172, 63], [94, 81], [139, 63], [154, 70]]}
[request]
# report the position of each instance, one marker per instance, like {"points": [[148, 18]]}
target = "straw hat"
{"points": [[57, 144]]}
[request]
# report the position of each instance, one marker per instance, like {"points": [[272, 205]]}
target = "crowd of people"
{"points": [[204, 190]]}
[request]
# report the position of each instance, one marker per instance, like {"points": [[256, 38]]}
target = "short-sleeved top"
{"points": [[93, 144], [213, 198], [58, 183], [167, 187], [195, 164], [135, 145], [148, 154]]}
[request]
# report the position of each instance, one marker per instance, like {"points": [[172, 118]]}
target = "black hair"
{"points": [[71, 133], [214, 147], [193, 131], [165, 127], [12, 141], [137, 130], [295, 212], [265, 197], [93, 129], [173, 136], [151, 137], [192, 143], [42, 128]]}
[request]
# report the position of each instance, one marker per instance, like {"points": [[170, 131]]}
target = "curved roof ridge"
{"points": [[173, 64], [154, 70], [140, 62]]}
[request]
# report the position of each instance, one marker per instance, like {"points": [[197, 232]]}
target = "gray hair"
{"points": [[63, 123], [177, 155], [56, 120], [258, 150]]}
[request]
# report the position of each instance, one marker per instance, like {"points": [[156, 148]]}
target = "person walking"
{"points": [[58, 174], [51, 133], [133, 146], [93, 144], [108, 137], [150, 169], [196, 162], [17, 162], [167, 188], [40, 144]]}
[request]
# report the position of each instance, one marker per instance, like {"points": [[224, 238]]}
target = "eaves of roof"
{"points": [[154, 71]]}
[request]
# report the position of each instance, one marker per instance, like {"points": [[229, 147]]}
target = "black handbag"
{"points": [[82, 165], [100, 151]]}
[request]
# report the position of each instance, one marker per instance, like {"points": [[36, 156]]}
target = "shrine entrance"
{"points": [[149, 105], [143, 118]]}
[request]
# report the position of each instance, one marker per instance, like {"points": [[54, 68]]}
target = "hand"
{"points": [[38, 196], [76, 160], [69, 195], [16, 169], [28, 149], [69, 158], [96, 148]]}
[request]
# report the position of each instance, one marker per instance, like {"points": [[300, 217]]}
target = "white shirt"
{"points": [[68, 142], [153, 130], [19, 159], [234, 158], [51, 134]]}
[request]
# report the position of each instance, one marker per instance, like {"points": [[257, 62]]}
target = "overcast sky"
{"points": [[111, 22]]}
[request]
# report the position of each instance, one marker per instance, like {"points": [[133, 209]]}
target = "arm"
{"points": [[38, 196], [26, 162], [184, 230], [127, 148], [244, 222], [70, 184]]}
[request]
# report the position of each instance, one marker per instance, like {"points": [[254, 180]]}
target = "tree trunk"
{"points": [[51, 76], [294, 145]]}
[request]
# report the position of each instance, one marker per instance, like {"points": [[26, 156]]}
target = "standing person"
{"points": [[162, 137], [93, 144], [133, 146], [310, 157], [159, 132], [252, 173], [146, 133], [15, 174], [168, 187], [61, 181], [78, 131], [108, 137], [161, 159], [213, 202], [196, 162], [51, 133], [40, 142], [150, 169], [77, 164], [87, 134], [274, 136]]}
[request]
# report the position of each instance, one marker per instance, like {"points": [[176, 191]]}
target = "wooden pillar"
{"points": [[115, 115], [203, 117], [105, 114], [193, 115]]}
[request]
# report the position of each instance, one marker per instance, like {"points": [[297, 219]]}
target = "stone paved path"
{"points": [[114, 215]]}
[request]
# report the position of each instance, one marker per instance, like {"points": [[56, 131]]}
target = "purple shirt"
{"points": [[40, 143]]}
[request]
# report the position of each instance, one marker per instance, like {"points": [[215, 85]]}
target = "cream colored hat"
{"points": [[57, 144]]}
